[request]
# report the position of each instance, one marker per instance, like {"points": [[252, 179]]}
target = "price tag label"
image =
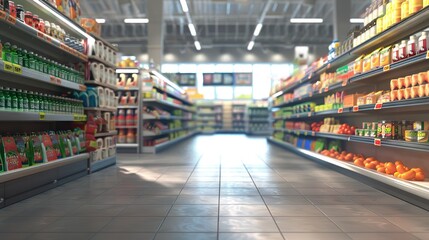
{"points": [[11, 20], [42, 116], [8, 67], [378, 106], [386, 68], [377, 142], [48, 39], [17, 69], [76, 118], [344, 83], [340, 110], [313, 134], [59, 82], [355, 108], [326, 89], [126, 87], [427, 55], [309, 114], [82, 87], [52, 79], [40, 35], [2, 15], [310, 94], [329, 66]]}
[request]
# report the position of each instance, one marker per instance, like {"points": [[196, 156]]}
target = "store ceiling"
{"points": [[222, 23]]}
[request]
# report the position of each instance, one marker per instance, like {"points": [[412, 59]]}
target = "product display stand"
{"points": [[37, 105], [168, 117], [257, 120], [102, 79], [210, 117], [238, 117], [129, 117], [299, 105]]}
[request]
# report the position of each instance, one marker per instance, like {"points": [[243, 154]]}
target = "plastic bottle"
{"points": [[14, 99], [425, 3], [8, 100], [122, 138], [6, 52], [36, 102], [129, 119], [414, 6], [403, 50], [423, 42], [395, 53], [131, 136], [25, 105], [412, 46], [2, 99], [20, 101], [121, 118]]}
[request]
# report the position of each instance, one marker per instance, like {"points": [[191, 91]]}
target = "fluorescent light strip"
{"points": [[356, 20], [184, 6], [257, 29], [136, 20], [197, 45], [100, 20], [306, 20], [127, 70], [192, 29], [277, 94], [250, 46], [66, 21]]}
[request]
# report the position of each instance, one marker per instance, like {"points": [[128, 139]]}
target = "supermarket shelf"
{"points": [[164, 145], [397, 32], [128, 107], [251, 132], [39, 116], [34, 40], [96, 83], [100, 109], [127, 88], [150, 117], [37, 79], [106, 134], [23, 172], [115, 48], [127, 145], [180, 98], [260, 115], [258, 120], [209, 114], [208, 105], [125, 127], [168, 104], [101, 164], [419, 189], [162, 132], [104, 62]]}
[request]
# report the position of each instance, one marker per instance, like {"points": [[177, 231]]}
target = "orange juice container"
{"points": [[404, 10], [414, 6]]}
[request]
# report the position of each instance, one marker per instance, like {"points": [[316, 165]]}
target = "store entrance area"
{"points": [[214, 187]]}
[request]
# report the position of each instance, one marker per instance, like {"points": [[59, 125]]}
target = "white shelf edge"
{"points": [[420, 189], [36, 116], [106, 134], [127, 145], [22, 172], [153, 149]]}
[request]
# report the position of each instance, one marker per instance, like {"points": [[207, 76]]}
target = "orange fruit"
{"points": [[401, 168], [409, 175], [398, 163], [381, 169], [390, 168], [359, 163], [397, 174], [419, 176]]}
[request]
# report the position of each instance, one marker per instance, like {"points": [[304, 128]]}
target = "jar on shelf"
{"points": [[28, 18]]}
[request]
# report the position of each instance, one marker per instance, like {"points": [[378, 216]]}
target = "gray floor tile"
{"points": [[194, 210], [244, 211], [238, 191], [306, 224], [314, 236], [234, 184], [378, 236], [250, 236], [397, 210], [318, 191], [286, 200], [77, 224], [365, 224], [346, 210], [294, 210], [278, 191], [186, 236], [159, 200], [247, 224], [15, 236], [200, 191], [133, 225], [331, 200], [123, 236], [237, 200], [189, 224], [145, 211], [32, 224], [212, 184], [184, 200], [97, 211], [421, 236], [411, 224], [62, 236]]}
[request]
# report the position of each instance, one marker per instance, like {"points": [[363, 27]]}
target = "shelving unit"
{"points": [[19, 184], [238, 112], [377, 79], [257, 120], [210, 117], [164, 106]]}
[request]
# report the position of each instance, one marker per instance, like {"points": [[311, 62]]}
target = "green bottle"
{"points": [[8, 100], [14, 54], [2, 99], [20, 56], [20, 101], [31, 61], [45, 102], [25, 62], [25, 104], [6, 56], [39, 102], [14, 99]]}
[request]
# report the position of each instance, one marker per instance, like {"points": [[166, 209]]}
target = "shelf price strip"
{"points": [[355, 108], [386, 68], [340, 110], [42, 116], [378, 106], [377, 142], [12, 68]]}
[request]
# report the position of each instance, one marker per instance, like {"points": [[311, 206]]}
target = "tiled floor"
{"points": [[226, 187]]}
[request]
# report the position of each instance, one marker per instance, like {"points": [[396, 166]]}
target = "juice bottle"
{"points": [[131, 136], [14, 54], [14, 99], [395, 53], [20, 101], [2, 99], [25, 104], [403, 50], [36, 102], [423, 42], [412, 46], [121, 136]]}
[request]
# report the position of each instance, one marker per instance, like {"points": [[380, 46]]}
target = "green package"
{"points": [[335, 145], [56, 144], [37, 149], [64, 146], [23, 150], [320, 145], [73, 142]]}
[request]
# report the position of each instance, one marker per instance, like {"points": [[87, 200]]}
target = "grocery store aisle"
{"points": [[215, 187]]}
